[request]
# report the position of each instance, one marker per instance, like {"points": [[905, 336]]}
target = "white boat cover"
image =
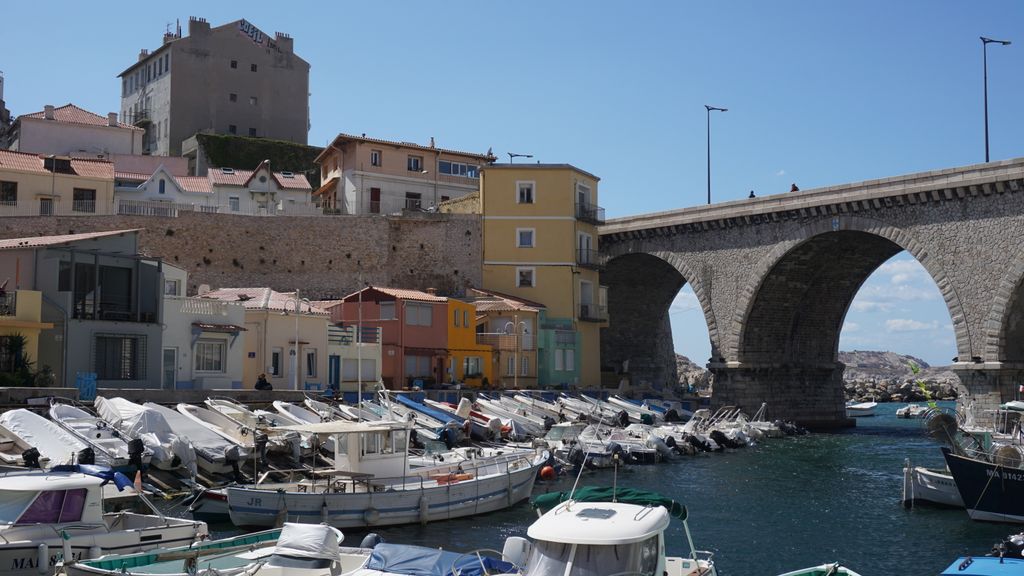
{"points": [[309, 541], [205, 441], [137, 421], [52, 441]]}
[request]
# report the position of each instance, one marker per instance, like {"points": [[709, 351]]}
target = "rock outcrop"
{"points": [[888, 377]]}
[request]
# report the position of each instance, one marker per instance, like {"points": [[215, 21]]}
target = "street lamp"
{"points": [[294, 352], [984, 58], [510, 328], [512, 155], [709, 109]]}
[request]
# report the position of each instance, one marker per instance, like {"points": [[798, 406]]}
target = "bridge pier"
{"points": [[986, 386], [811, 396]]}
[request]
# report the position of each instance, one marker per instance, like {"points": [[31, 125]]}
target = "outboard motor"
{"points": [[448, 436], [698, 444], [616, 450], [260, 443], [135, 450], [232, 456], [647, 419], [86, 456], [576, 456], [722, 440], [671, 415], [494, 429], [622, 418], [414, 439], [371, 540], [31, 458], [549, 422]]}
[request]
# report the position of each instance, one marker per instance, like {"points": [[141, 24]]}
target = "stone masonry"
{"points": [[775, 276], [325, 257]]}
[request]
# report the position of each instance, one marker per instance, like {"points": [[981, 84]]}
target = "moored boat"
{"points": [[860, 409], [984, 566], [110, 447], [992, 492], [931, 485], [834, 569]]}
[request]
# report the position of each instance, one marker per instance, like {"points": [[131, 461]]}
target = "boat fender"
{"points": [[372, 515], [323, 512], [371, 540], [95, 552], [43, 558]]}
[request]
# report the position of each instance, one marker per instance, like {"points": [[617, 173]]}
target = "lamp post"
{"points": [[709, 109], [510, 328], [512, 155], [297, 301], [984, 59]]}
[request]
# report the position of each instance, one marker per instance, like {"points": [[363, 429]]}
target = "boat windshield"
{"points": [[562, 433], [47, 507], [552, 558]]}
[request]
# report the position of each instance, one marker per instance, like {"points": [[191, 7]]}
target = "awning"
{"points": [[327, 187], [222, 328]]}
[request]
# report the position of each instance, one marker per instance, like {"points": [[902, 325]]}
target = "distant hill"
{"points": [[869, 366]]}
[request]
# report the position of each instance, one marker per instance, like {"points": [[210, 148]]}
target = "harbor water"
{"points": [[781, 505]]}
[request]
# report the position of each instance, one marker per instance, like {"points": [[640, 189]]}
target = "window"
{"points": [[163, 186], [524, 237], [445, 198], [525, 366], [9, 192], [455, 318], [84, 200], [232, 129], [570, 360], [418, 314], [233, 203], [387, 310], [559, 360], [458, 169], [234, 63], [415, 164], [252, 132], [119, 357], [232, 97], [210, 355], [369, 371], [465, 318], [413, 201], [253, 100], [471, 367], [349, 370], [167, 62], [374, 157], [524, 277], [170, 287], [311, 362], [510, 366], [417, 366], [8, 355], [275, 361], [55, 506], [252, 67], [525, 192]]}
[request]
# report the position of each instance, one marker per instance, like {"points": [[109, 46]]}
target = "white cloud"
{"points": [[850, 327], [870, 305], [780, 173], [899, 292], [685, 301], [907, 325]]}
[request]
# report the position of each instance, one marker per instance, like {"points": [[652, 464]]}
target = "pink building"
{"points": [[414, 331]]}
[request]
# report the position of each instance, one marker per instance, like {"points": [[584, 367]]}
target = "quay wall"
{"points": [[325, 257]]}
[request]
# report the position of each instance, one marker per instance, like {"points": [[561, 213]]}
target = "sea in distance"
{"points": [[781, 505]]}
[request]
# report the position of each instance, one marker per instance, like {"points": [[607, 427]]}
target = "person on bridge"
{"points": [[793, 188], [751, 194]]}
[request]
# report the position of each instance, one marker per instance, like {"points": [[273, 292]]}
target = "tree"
{"points": [[15, 363]]}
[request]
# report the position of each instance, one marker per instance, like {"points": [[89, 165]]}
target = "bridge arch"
{"points": [[1004, 325], [792, 308], [641, 289]]}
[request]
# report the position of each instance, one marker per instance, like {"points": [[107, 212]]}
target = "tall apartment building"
{"points": [[363, 175], [232, 79]]}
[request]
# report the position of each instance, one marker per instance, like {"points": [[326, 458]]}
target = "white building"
{"points": [[351, 362], [203, 340], [72, 131]]}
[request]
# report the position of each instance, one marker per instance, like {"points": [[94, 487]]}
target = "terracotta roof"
{"points": [[401, 294], [131, 176], [490, 300], [242, 177], [28, 162], [194, 183], [263, 299], [38, 241], [71, 114], [487, 157], [325, 304], [327, 186]]}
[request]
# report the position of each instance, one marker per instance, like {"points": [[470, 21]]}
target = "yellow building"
{"points": [[21, 314], [508, 325], [34, 185], [540, 244], [469, 361]]}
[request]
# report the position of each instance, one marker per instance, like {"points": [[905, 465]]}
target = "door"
{"points": [[374, 200], [46, 206], [334, 371], [170, 368]]}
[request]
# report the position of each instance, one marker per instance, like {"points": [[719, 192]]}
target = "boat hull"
{"points": [[991, 493], [257, 507], [922, 484]]}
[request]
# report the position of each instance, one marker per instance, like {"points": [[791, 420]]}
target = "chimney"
{"points": [[431, 141], [432, 291], [48, 111], [168, 36], [198, 26], [112, 119], [203, 289], [142, 54], [284, 42]]}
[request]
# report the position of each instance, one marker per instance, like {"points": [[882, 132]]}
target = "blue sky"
{"points": [[818, 93]]}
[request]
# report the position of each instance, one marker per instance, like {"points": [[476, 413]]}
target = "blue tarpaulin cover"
{"points": [[105, 473], [438, 414], [422, 561]]}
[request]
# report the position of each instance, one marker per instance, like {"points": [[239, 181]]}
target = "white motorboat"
{"points": [[13, 451], [341, 411], [522, 426], [54, 443], [932, 485], [912, 411], [635, 411], [214, 453], [860, 409], [244, 426], [110, 447], [45, 516], [371, 484], [168, 450]]}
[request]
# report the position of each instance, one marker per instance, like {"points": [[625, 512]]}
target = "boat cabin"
{"points": [[364, 448], [41, 498]]}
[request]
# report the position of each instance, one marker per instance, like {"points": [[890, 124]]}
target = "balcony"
{"points": [[590, 213], [593, 313], [83, 206], [345, 335], [505, 342], [8, 304], [413, 204], [141, 118], [588, 258]]}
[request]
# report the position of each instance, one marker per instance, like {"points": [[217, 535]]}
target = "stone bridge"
{"points": [[776, 275]]}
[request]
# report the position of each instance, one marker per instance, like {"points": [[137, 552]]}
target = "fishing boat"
{"points": [[45, 516], [372, 484], [860, 409], [991, 491], [110, 447], [52, 442], [168, 450], [912, 411], [834, 569], [984, 566], [930, 485]]}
